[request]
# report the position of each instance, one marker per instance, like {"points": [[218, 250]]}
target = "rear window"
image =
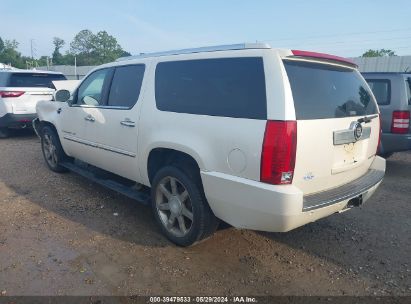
{"points": [[409, 90], [3, 79], [34, 80], [327, 91], [229, 87], [381, 89]]}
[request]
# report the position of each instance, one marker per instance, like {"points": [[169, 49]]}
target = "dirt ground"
{"points": [[62, 235]]}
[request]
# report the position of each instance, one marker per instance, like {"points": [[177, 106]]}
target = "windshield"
{"points": [[34, 80], [328, 91]]}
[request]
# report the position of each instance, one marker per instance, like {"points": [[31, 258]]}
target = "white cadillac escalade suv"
{"points": [[261, 138]]}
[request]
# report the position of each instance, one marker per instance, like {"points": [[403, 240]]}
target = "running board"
{"points": [[110, 181]]}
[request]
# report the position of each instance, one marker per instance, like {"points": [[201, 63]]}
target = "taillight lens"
{"points": [[278, 153], [10, 94], [400, 122]]}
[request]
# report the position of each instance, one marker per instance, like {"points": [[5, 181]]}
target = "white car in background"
{"points": [[20, 90], [261, 138]]}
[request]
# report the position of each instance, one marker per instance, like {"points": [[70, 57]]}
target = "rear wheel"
{"points": [[52, 151], [180, 207], [4, 132]]}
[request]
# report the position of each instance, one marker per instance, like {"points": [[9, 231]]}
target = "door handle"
{"points": [[89, 118], [128, 123]]}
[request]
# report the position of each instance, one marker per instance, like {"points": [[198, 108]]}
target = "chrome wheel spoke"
{"points": [[164, 206], [54, 158], [171, 221], [46, 152], [182, 224], [187, 213], [165, 192], [183, 196], [173, 185]]}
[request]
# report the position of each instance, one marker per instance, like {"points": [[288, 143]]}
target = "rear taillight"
{"points": [[10, 94], [278, 153], [400, 122]]}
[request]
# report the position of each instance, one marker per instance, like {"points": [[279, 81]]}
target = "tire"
{"points": [[4, 132], [182, 210], [52, 151]]}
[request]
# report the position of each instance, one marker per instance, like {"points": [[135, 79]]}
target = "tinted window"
{"points": [[90, 91], [326, 91], [34, 80], [381, 89], [408, 85], [3, 79], [126, 85], [231, 87]]}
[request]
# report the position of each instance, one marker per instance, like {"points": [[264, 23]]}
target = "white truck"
{"points": [[261, 138]]}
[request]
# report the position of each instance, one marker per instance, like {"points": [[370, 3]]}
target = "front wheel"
{"points": [[52, 151], [180, 207]]}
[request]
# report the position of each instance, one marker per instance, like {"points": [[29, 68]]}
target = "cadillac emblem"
{"points": [[357, 131]]}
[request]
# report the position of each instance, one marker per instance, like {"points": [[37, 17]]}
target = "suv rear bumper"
{"points": [[395, 142], [254, 205], [17, 120]]}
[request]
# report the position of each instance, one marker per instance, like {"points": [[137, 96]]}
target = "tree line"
{"points": [[88, 49]]}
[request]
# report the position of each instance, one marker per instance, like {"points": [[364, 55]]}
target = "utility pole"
{"points": [[75, 67], [33, 51], [32, 48]]}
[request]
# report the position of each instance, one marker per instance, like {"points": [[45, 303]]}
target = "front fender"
{"points": [[47, 110]]}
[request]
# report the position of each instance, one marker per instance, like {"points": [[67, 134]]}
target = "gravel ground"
{"points": [[62, 235]]}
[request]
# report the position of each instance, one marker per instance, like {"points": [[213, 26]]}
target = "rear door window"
{"points": [[328, 91], [28, 80], [381, 89], [126, 86], [229, 87]]}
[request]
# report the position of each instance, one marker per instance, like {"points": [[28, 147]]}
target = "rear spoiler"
{"points": [[327, 57]]}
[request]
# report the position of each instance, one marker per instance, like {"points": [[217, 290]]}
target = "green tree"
{"points": [[378, 53], [82, 43], [10, 55], [95, 49], [1, 45], [105, 47], [57, 56]]}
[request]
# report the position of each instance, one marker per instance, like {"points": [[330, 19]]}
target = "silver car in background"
{"points": [[393, 94]]}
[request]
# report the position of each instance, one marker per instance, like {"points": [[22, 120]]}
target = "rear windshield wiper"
{"points": [[367, 119]]}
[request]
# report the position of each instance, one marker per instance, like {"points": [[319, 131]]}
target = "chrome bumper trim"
{"points": [[344, 192]]}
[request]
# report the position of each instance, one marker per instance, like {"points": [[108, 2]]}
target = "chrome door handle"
{"points": [[89, 118], [128, 123]]}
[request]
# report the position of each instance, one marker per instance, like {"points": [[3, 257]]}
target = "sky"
{"points": [[340, 27]]}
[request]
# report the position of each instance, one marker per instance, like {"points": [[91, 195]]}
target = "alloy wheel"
{"points": [[173, 205]]}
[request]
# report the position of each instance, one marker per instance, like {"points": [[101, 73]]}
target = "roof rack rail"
{"points": [[228, 47]]}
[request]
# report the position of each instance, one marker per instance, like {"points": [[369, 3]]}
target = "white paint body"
{"points": [[227, 150]]}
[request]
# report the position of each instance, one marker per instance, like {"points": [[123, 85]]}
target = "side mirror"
{"points": [[62, 95]]}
